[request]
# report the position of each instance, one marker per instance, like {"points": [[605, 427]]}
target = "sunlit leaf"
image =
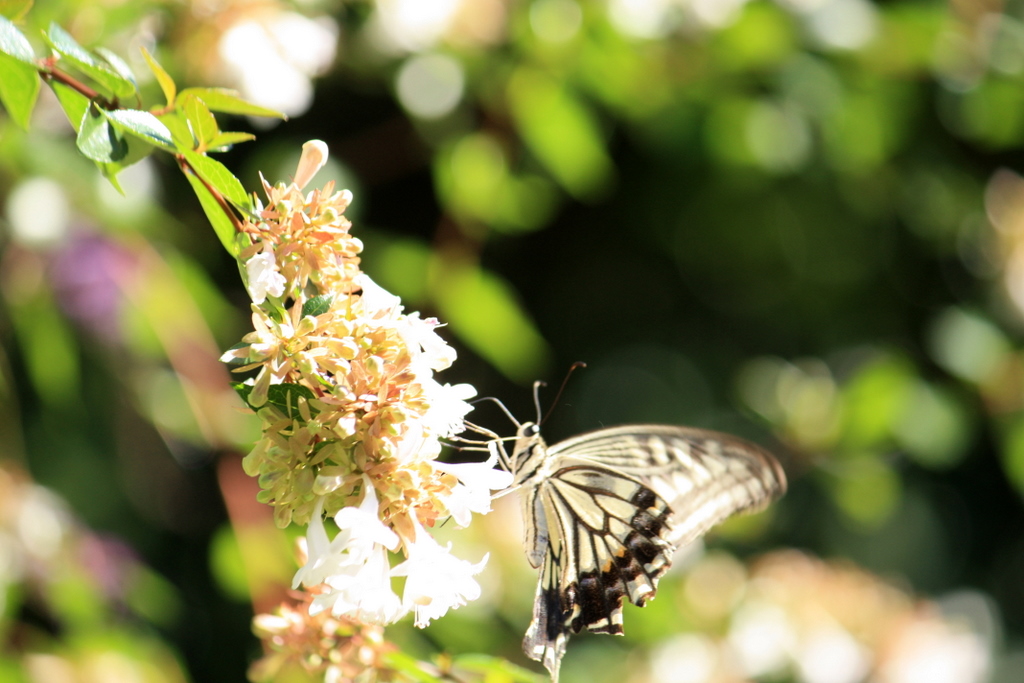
{"points": [[229, 102], [221, 142], [61, 41], [14, 43], [167, 84], [219, 178], [98, 139], [200, 119], [181, 133], [142, 125], [19, 88], [119, 66], [221, 222]]}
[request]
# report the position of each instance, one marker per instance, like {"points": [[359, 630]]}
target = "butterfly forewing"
{"points": [[705, 476], [605, 510]]}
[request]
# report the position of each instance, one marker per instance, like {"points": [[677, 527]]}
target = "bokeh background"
{"points": [[801, 221]]}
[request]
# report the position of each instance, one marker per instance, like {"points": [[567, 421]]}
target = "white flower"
{"points": [[262, 276], [448, 407], [365, 595], [375, 299], [352, 570], [425, 343], [473, 493], [436, 580]]}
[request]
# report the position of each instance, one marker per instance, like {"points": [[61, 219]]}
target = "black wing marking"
{"points": [[607, 538], [604, 523]]}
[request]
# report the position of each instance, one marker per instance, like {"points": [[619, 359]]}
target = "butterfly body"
{"points": [[604, 512]]}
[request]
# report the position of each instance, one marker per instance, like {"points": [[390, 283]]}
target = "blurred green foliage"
{"points": [[796, 221]]}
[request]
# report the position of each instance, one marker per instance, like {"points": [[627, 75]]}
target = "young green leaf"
{"points": [[72, 102], [200, 118], [98, 139], [142, 125], [119, 66], [222, 142], [229, 102], [19, 88], [220, 178], [318, 305], [181, 134], [62, 42], [221, 222], [137, 150], [284, 397], [14, 43], [167, 85]]}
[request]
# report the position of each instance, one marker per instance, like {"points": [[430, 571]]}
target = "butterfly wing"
{"points": [[705, 476], [599, 536], [608, 508]]}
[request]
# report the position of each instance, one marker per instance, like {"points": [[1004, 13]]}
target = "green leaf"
{"points": [[62, 42], [180, 132], [200, 119], [318, 305], [167, 85], [284, 397], [221, 142], [72, 102], [238, 361], [98, 139], [221, 222], [14, 43], [497, 669], [241, 388], [220, 178], [561, 131], [482, 309], [229, 102], [19, 88], [142, 125], [119, 66], [137, 150], [410, 666]]}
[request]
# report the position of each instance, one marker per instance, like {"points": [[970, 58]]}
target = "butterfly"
{"points": [[604, 512]]}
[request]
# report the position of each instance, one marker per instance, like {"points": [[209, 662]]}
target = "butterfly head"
{"points": [[529, 451]]}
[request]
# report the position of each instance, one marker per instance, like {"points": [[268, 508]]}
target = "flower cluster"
{"points": [[301, 646], [351, 413]]}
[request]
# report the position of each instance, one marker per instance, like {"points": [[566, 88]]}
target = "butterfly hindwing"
{"points": [[605, 510], [606, 539]]}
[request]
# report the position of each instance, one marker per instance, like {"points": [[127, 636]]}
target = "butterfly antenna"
{"points": [[497, 402], [536, 399], [575, 366]]}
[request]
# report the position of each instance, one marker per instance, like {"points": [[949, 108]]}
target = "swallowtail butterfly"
{"points": [[604, 512]]}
